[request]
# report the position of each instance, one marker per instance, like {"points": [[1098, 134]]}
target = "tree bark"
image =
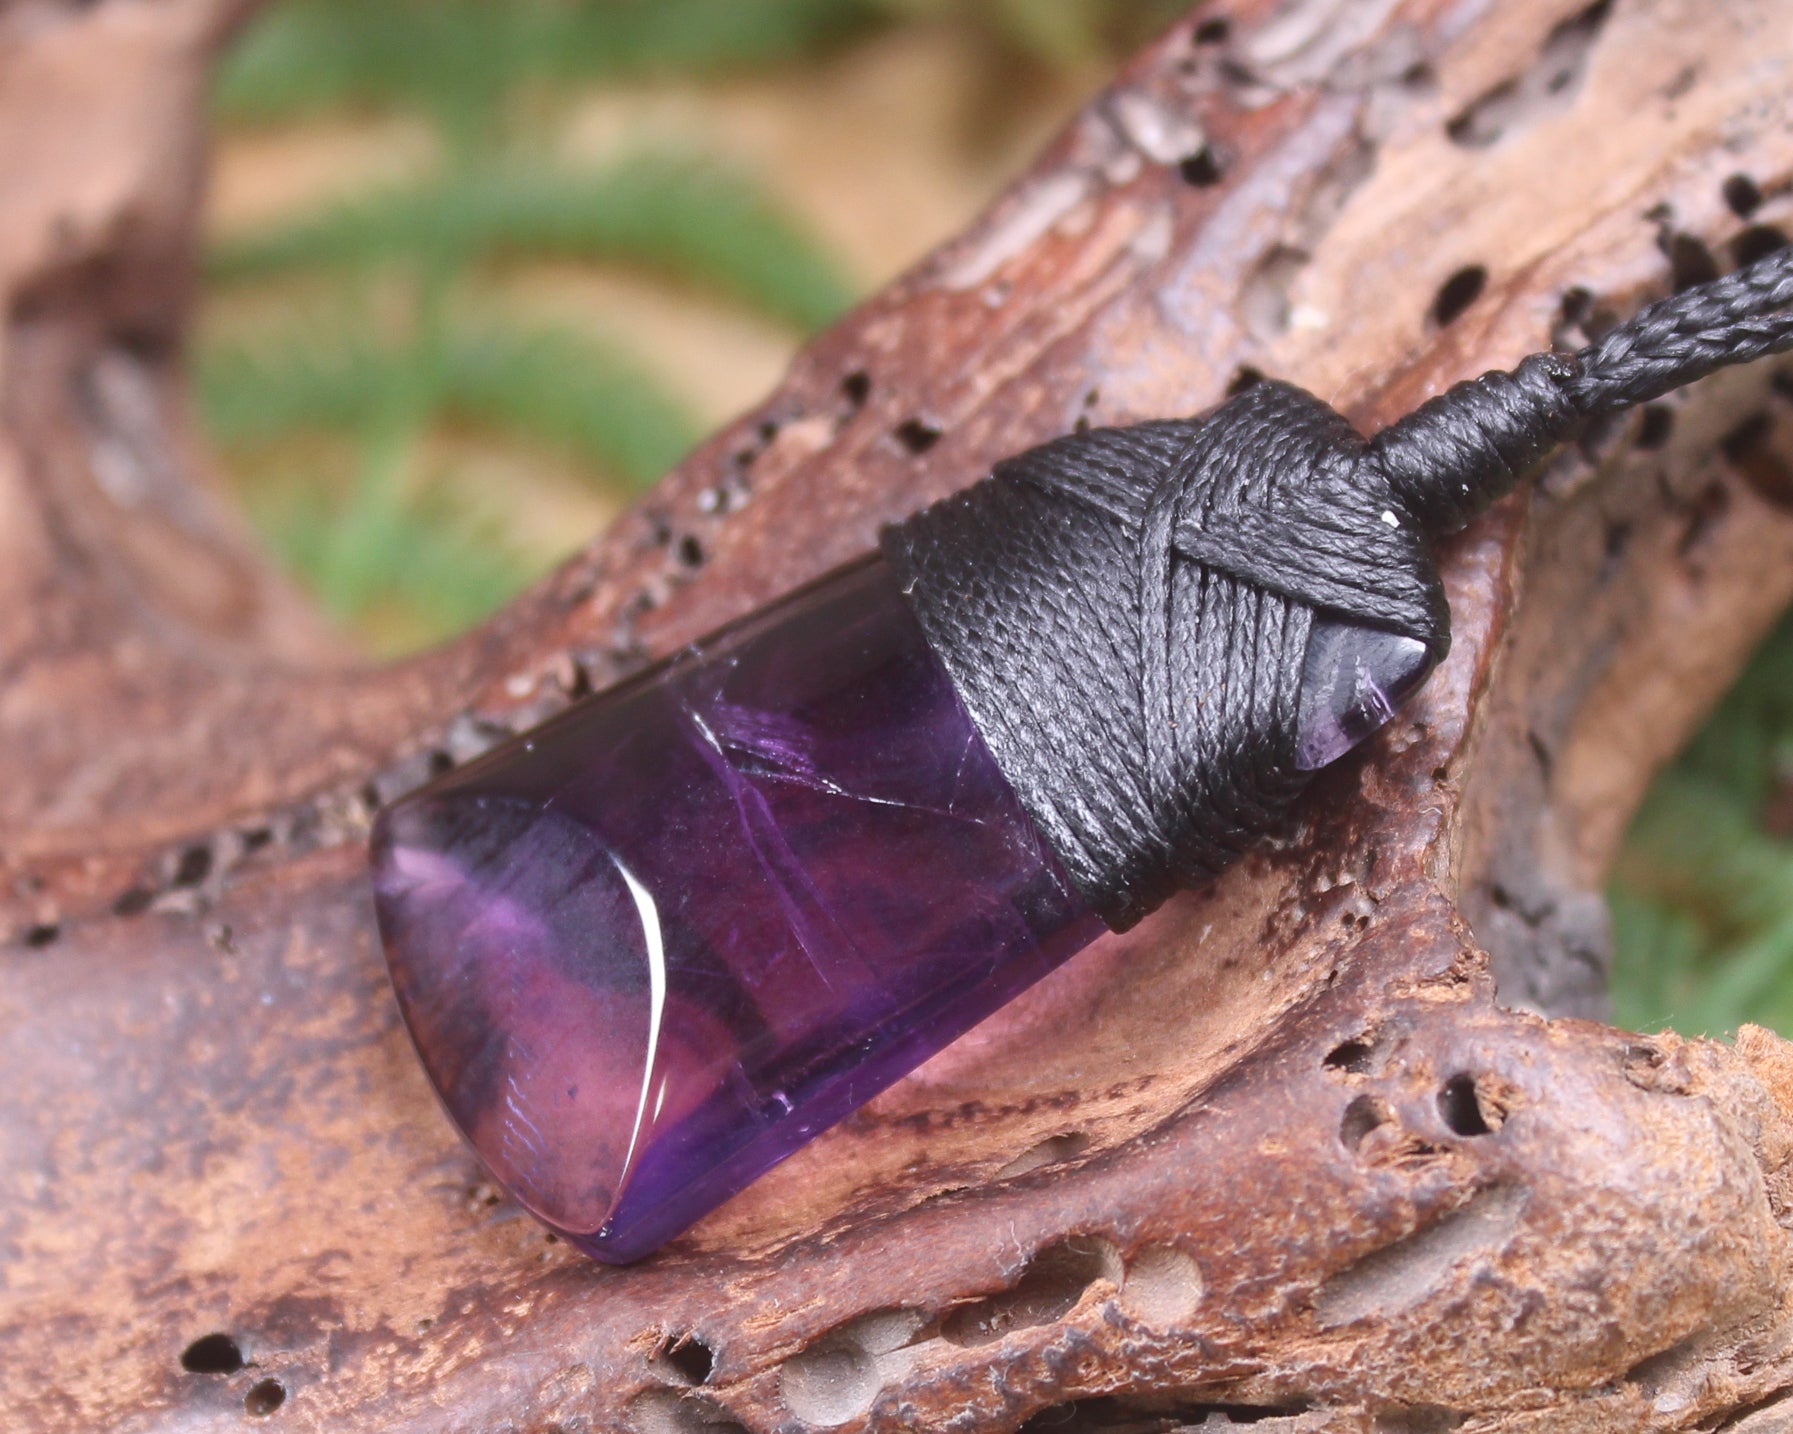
{"points": [[1331, 1146]]}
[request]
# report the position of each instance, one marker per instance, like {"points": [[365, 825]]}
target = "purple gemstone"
{"points": [[652, 948], [1354, 680]]}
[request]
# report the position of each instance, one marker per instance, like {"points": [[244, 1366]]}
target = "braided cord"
{"points": [[1126, 612], [1743, 316], [1456, 454]]}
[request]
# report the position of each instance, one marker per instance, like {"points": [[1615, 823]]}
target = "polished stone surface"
{"points": [[653, 947], [1354, 680]]}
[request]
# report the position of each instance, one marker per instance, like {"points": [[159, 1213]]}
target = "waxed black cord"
{"points": [[1454, 455], [1126, 612]]}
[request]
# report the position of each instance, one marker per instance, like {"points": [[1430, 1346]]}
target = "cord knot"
{"points": [[1126, 614], [1457, 453]]}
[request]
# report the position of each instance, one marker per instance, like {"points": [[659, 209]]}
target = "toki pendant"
{"points": [[649, 949]]}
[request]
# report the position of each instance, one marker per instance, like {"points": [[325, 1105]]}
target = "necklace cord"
{"points": [[1457, 453], [1125, 612]]}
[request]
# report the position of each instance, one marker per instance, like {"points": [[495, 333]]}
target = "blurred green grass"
{"points": [[392, 339], [1702, 897], [348, 415], [462, 61]]}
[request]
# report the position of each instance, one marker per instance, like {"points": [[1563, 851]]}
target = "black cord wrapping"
{"points": [[1125, 612]]}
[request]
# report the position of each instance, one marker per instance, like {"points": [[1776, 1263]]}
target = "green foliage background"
{"points": [[393, 335], [390, 335], [1702, 899]]}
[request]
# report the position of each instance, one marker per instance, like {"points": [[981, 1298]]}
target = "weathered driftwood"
{"points": [[1284, 1155]]}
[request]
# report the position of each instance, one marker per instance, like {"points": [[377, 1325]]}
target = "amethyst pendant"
{"points": [[651, 948]]}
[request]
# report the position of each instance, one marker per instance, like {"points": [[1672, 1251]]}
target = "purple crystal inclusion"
{"points": [[651, 948], [1352, 681]]}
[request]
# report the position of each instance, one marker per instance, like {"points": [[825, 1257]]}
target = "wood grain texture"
{"points": [[1332, 1146]]}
